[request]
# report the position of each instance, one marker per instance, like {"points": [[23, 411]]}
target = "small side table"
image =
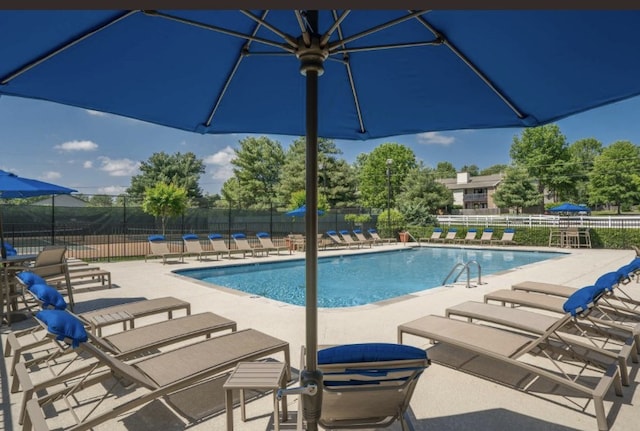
{"points": [[256, 375]]}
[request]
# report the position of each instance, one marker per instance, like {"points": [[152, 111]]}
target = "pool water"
{"points": [[358, 279]]}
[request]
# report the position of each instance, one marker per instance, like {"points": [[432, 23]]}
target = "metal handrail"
{"points": [[463, 267]]}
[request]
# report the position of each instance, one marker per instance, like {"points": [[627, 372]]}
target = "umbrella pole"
{"points": [[312, 68]]}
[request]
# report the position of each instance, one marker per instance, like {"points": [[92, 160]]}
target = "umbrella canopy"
{"points": [[569, 208], [301, 211], [13, 186], [382, 73]]}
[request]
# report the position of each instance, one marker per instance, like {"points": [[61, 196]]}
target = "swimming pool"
{"points": [[358, 279]]}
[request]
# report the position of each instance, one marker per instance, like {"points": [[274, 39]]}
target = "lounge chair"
{"points": [[51, 264], [363, 239], [160, 248], [194, 248], [450, 236], [348, 239], [368, 385], [337, 240], [469, 237], [487, 235], [376, 237], [155, 376], [268, 245], [242, 243], [436, 235], [134, 343], [508, 350], [220, 246], [297, 241], [507, 237], [587, 348]]}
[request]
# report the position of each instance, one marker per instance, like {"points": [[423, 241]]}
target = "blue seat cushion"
{"points": [[49, 296], [190, 236], [369, 352], [215, 236], [63, 325], [372, 230], [156, 238], [262, 235], [583, 299], [609, 280], [332, 232], [29, 278], [10, 250], [239, 236]]}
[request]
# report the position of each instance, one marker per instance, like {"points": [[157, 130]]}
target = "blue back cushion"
{"points": [[10, 250], [358, 231], [369, 352], [630, 268], [372, 230], [583, 299], [49, 296], [438, 229], [331, 232], [28, 278], [344, 232], [190, 236], [63, 325], [156, 238], [262, 235], [609, 280], [215, 236], [239, 236]]}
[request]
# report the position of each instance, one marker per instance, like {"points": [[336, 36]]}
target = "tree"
{"points": [[582, 154], [422, 195], [615, 177], [473, 170], [373, 174], [494, 169], [165, 201], [299, 198], [516, 190], [445, 170], [183, 170], [258, 164], [542, 151]]}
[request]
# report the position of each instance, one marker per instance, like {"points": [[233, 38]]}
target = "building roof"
{"points": [[477, 182], [62, 201]]}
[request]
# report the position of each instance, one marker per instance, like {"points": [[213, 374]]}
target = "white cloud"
{"points": [[118, 168], [77, 146], [96, 113], [221, 163], [87, 164], [435, 138], [52, 175], [112, 190]]}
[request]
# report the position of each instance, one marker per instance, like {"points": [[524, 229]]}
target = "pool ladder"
{"points": [[464, 267]]}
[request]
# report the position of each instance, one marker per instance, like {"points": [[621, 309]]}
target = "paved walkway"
{"points": [[444, 399]]}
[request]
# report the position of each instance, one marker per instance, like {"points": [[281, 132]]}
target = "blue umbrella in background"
{"points": [[569, 208], [301, 211], [383, 73], [13, 186]]}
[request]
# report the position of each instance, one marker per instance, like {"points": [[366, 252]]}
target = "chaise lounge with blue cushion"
{"points": [[160, 248]]}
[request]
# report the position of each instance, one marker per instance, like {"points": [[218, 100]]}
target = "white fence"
{"points": [[614, 222]]}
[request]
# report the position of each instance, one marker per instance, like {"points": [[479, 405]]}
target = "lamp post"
{"points": [[389, 163]]}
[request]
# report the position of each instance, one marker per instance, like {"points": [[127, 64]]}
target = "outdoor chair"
{"points": [[242, 243], [363, 239], [377, 239], [268, 245], [507, 237], [485, 238], [51, 264], [450, 236], [148, 379], [160, 248], [466, 343], [220, 246], [367, 385], [348, 239], [435, 236], [337, 240], [194, 247], [469, 237]]}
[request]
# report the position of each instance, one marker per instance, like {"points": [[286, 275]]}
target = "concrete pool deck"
{"points": [[445, 399]]}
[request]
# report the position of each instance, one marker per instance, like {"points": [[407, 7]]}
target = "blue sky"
{"points": [[98, 153]]}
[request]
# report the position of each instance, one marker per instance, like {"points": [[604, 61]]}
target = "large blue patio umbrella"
{"points": [[301, 211], [367, 74], [569, 208], [13, 186]]}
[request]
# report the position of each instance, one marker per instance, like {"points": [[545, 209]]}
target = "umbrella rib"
{"points": [[434, 42], [222, 30], [62, 48], [375, 29], [472, 66], [352, 85], [261, 21]]}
